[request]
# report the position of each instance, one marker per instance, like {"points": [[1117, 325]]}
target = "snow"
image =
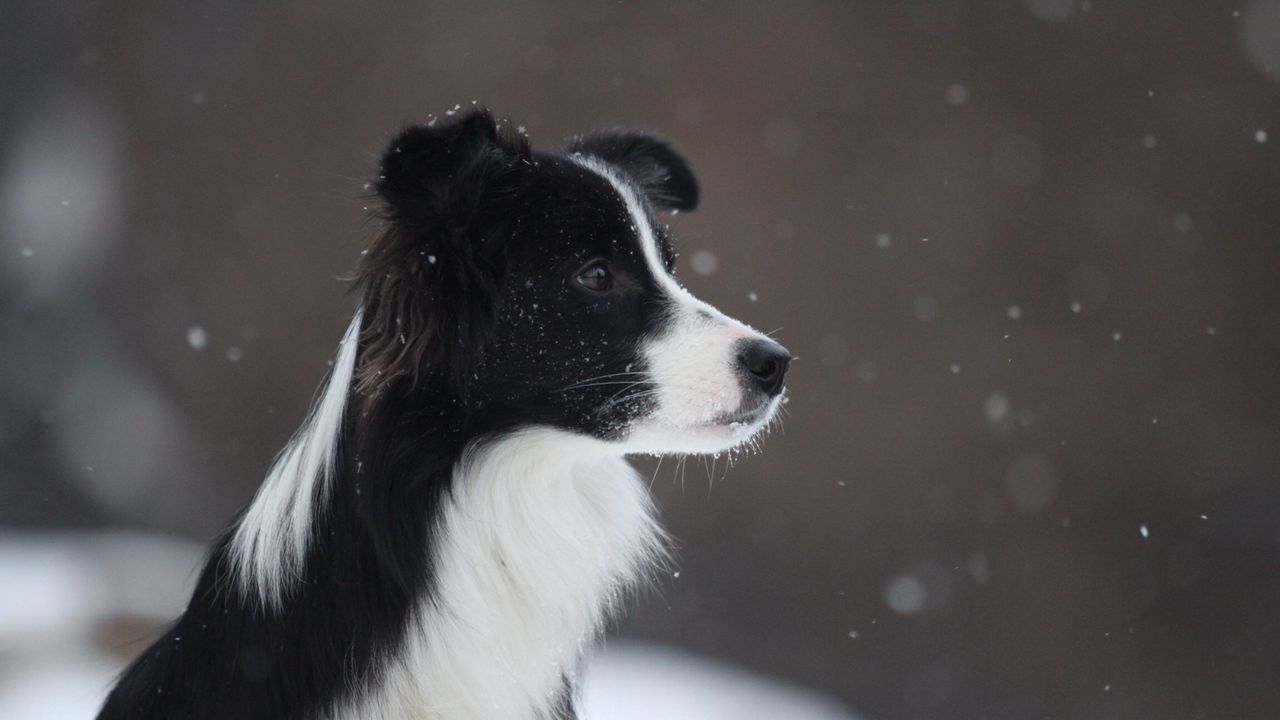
{"points": [[632, 681], [197, 337], [1260, 33], [1053, 11], [956, 94], [58, 668], [996, 407], [924, 308], [883, 240], [70, 583], [704, 262], [905, 594], [1144, 531]]}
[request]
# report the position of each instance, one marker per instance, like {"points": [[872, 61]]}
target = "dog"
{"points": [[456, 518]]}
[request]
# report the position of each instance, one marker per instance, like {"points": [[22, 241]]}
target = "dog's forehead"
{"points": [[589, 206]]}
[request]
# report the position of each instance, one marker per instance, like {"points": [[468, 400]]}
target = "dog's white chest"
{"points": [[539, 540]]}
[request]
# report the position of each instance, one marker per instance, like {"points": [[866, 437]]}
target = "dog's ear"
{"points": [[452, 181], [452, 194], [650, 162]]}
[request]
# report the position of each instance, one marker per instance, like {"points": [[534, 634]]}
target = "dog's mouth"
{"points": [[748, 417], [714, 434]]}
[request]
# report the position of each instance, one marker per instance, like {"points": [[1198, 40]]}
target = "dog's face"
{"points": [[540, 289]]}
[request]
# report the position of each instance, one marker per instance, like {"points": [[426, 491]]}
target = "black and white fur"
{"points": [[452, 524]]}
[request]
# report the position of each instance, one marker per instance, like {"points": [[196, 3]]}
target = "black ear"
{"points": [[452, 192], [446, 177], [650, 162]]}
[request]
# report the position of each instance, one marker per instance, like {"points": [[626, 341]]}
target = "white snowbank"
{"points": [[54, 589]]}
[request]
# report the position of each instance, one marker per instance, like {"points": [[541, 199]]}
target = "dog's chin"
{"points": [[721, 433]]}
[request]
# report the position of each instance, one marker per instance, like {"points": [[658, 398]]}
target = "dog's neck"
{"points": [[537, 540]]}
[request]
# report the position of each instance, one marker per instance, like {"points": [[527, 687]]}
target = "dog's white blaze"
{"points": [[692, 362], [270, 543], [541, 535], [648, 241], [640, 222]]}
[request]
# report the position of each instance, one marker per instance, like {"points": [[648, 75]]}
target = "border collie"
{"points": [[449, 529]]}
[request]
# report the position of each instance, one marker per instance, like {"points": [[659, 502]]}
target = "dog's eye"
{"points": [[595, 277]]}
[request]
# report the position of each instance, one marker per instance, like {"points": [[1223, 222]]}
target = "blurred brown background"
{"points": [[1027, 253]]}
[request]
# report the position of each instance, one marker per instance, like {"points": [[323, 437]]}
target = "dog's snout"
{"points": [[764, 364]]}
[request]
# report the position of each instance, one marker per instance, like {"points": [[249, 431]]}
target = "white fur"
{"points": [[693, 363], [542, 534], [270, 542]]}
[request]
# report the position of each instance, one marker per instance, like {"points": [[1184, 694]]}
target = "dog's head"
{"points": [[538, 289]]}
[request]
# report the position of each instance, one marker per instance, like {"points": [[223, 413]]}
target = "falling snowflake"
{"points": [[197, 337]]}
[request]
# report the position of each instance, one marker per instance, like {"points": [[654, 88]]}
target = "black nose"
{"points": [[764, 364]]}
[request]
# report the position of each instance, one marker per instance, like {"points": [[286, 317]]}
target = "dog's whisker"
{"points": [[585, 381], [628, 387], [605, 384], [656, 470]]}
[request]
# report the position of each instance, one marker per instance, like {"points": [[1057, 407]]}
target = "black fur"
{"points": [[651, 163], [473, 326]]}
